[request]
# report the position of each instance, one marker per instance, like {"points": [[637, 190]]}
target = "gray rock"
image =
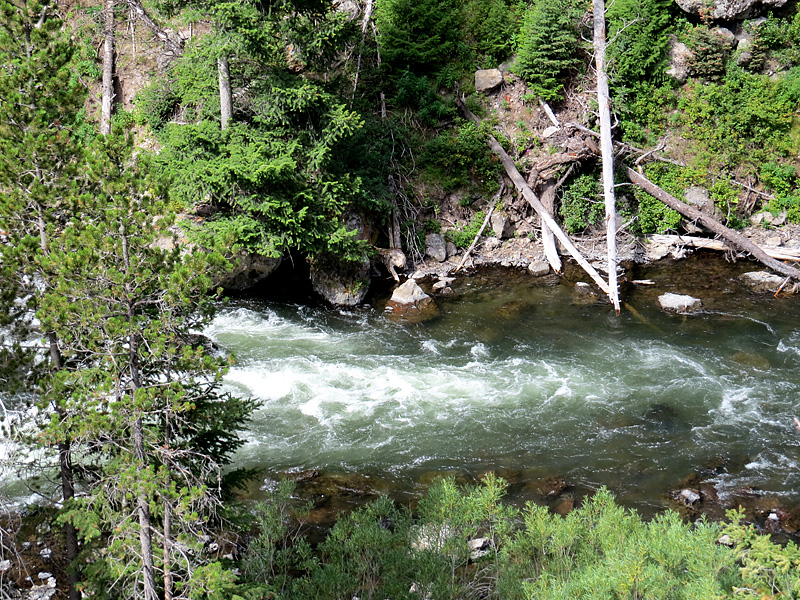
{"points": [[762, 282], [550, 131], [502, 225], [487, 79], [728, 10], [479, 547], [339, 283], [744, 58], [726, 35], [491, 243], [679, 58], [451, 248], [679, 303], [410, 304], [435, 247], [539, 268], [689, 497], [247, 271], [774, 240], [698, 197]]}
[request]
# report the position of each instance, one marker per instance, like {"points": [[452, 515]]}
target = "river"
{"points": [[520, 377]]}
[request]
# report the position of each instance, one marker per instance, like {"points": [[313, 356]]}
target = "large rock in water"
{"points": [[679, 303], [340, 283], [248, 270], [764, 282], [410, 304], [729, 9]]}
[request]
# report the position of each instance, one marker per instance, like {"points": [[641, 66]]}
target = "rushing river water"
{"points": [[518, 376]]}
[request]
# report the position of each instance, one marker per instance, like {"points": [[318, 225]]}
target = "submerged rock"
{"points": [[763, 282], [679, 303], [410, 304]]}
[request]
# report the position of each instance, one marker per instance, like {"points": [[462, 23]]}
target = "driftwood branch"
{"points": [[527, 192], [689, 241], [138, 9], [734, 237], [548, 200], [475, 241], [606, 148]]}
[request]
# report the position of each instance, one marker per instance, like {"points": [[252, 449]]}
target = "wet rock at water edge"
{"points": [[435, 247], [764, 282], [679, 303], [410, 304], [538, 268], [583, 293], [487, 79], [343, 284], [248, 270]]}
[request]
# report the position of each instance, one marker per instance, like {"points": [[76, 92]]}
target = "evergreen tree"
{"points": [[141, 402], [547, 47]]}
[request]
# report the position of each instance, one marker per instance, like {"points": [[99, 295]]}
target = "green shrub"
{"points": [[547, 46], [709, 54], [461, 157], [462, 238], [581, 205], [490, 30]]}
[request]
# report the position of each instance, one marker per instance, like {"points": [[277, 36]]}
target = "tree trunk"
{"points": [[527, 192], [225, 95], [692, 213], [136, 7], [108, 67], [606, 148], [548, 239]]}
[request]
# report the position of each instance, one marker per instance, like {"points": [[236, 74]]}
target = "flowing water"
{"points": [[518, 376]]}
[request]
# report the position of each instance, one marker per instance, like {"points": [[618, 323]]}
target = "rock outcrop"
{"points": [[340, 283], [729, 9], [248, 270]]}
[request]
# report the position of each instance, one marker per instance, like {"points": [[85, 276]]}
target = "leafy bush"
{"points": [[547, 46], [460, 157], [598, 551], [581, 205], [462, 238]]}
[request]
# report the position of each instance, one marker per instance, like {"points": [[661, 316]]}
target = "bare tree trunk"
{"points": [[692, 213], [527, 192], [606, 148], [364, 26], [136, 7], [548, 239], [108, 67], [225, 95]]}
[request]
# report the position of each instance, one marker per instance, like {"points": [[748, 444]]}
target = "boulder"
{"points": [[452, 249], [248, 270], [679, 59], [487, 79], [762, 282], [679, 303], [726, 36], [728, 10], [502, 225], [340, 283], [479, 547], [538, 268], [550, 131], [435, 247], [410, 304]]}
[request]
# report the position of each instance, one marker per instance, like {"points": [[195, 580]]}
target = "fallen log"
{"points": [[527, 192], [548, 200], [688, 241], [734, 237], [475, 241]]}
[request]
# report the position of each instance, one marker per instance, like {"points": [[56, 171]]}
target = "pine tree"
{"points": [[548, 43], [140, 402]]}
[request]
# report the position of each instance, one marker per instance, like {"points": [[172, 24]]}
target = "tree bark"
{"points": [[548, 239], [606, 148], [107, 101], [136, 7], [527, 192], [692, 213], [225, 95]]}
